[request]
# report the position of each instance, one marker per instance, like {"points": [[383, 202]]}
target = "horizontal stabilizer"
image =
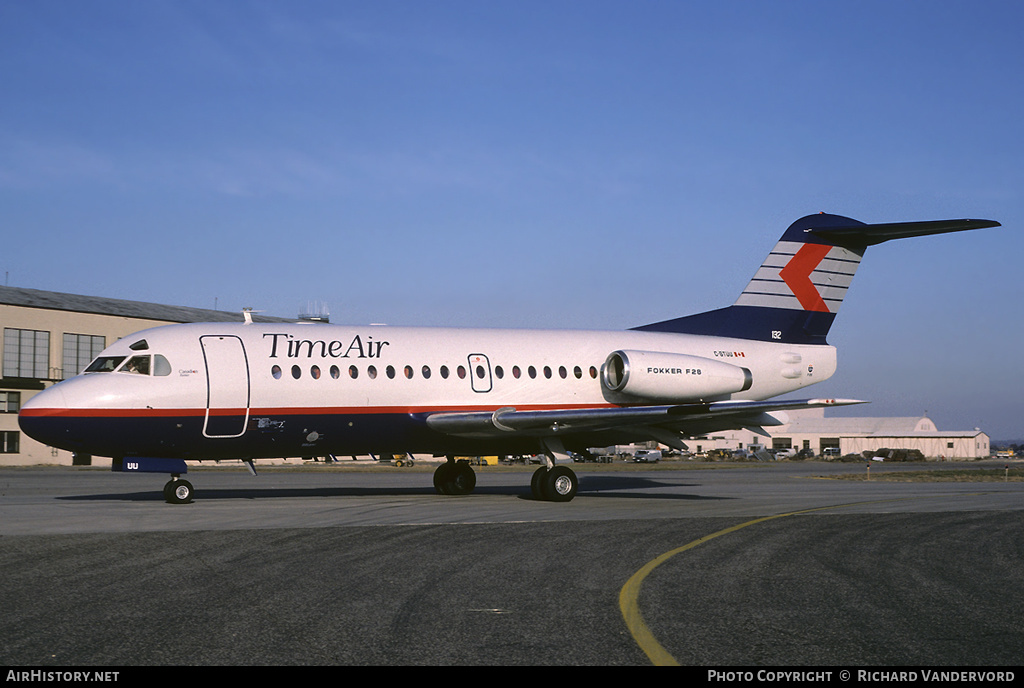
{"points": [[870, 235]]}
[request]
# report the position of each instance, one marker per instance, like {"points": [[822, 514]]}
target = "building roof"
{"points": [[911, 425], [51, 300]]}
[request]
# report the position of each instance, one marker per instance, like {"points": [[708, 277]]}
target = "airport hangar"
{"points": [[49, 336], [809, 429]]}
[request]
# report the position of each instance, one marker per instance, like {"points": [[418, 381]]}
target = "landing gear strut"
{"points": [[454, 477], [178, 491]]}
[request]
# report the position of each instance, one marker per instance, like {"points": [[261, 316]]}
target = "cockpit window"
{"points": [[104, 364], [137, 364], [161, 366]]}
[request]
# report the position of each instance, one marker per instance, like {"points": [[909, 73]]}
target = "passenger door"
{"points": [[227, 386]]}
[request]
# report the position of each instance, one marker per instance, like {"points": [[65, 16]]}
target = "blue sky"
{"points": [[530, 164]]}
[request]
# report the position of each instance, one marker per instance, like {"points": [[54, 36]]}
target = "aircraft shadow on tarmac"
{"points": [[624, 486]]}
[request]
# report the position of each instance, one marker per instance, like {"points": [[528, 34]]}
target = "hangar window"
{"points": [[26, 353], [10, 402], [9, 441], [79, 350]]}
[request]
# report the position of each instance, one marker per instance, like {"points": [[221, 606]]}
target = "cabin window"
{"points": [[390, 370], [315, 372], [276, 372], [426, 372], [353, 372], [335, 373], [462, 372], [408, 372], [296, 372], [499, 372], [532, 372], [371, 372], [516, 373], [444, 372]]}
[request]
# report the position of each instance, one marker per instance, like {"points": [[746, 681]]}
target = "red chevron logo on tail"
{"points": [[797, 274]]}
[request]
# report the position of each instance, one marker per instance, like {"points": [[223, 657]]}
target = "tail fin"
{"points": [[795, 294]]}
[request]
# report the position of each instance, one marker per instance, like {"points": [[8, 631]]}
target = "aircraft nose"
{"points": [[49, 398], [38, 413]]}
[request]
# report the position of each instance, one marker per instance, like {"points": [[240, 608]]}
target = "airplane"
{"points": [[211, 391]]}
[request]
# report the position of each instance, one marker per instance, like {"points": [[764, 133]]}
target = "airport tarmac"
{"points": [[723, 565]]}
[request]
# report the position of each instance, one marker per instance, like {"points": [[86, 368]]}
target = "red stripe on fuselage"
{"points": [[288, 411]]}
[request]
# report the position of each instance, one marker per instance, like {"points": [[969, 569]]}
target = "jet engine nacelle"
{"points": [[653, 375]]}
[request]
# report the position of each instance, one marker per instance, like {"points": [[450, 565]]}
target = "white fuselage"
{"points": [[240, 390]]}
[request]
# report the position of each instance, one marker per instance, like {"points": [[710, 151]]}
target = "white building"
{"points": [[811, 430]]}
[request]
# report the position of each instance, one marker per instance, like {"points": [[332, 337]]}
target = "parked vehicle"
{"points": [[647, 456]]}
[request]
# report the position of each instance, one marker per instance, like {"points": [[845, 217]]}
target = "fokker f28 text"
{"points": [[171, 394]]}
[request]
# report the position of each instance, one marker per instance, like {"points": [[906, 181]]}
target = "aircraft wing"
{"points": [[666, 424]]}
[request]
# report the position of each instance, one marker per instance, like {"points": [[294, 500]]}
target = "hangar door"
{"points": [[227, 386]]}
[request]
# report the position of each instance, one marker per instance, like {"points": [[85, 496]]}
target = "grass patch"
{"points": [[950, 475]]}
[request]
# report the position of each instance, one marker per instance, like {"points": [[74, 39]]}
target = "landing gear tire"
{"points": [[454, 478], [558, 484], [537, 482], [178, 492]]}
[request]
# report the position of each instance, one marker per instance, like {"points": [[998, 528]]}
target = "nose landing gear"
{"points": [[178, 491]]}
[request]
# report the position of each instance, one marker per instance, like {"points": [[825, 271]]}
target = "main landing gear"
{"points": [[549, 484], [556, 484], [178, 491], [454, 477]]}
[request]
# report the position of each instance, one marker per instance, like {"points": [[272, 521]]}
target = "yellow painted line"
{"points": [[629, 595]]}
